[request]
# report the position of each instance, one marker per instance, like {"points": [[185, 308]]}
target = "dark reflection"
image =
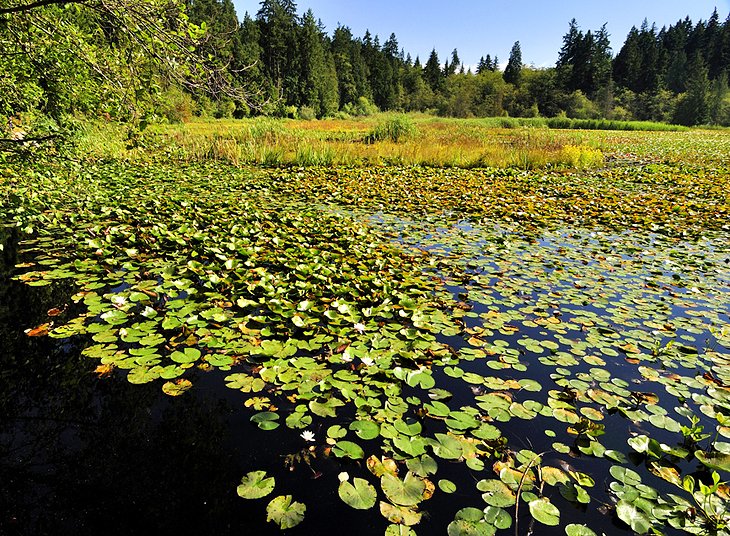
{"points": [[82, 455], [87, 456]]}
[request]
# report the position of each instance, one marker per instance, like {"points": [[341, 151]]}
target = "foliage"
{"points": [[395, 129], [387, 306]]}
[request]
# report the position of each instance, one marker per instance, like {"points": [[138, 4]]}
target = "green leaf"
{"points": [[714, 460], [362, 495], [448, 447], [399, 530], [578, 530], [188, 355], [285, 513], [447, 486], [633, 517], [544, 511], [255, 485], [406, 492], [399, 514], [365, 429], [348, 449], [266, 420], [496, 493], [176, 388], [470, 522], [625, 475]]}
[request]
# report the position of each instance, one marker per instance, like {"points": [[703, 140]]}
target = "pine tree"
{"points": [[318, 89], [513, 71], [432, 72], [627, 64], [694, 107], [279, 26]]}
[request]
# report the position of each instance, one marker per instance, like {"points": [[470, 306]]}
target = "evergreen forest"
{"points": [[150, 60]]}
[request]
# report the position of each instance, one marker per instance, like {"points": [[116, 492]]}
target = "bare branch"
{"points": [[34, 5]]}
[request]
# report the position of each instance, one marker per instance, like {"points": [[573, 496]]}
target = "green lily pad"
{"points": [[406, 492], [255, 485], [544, 511], [176, 388], [285, 512], [360, 495], [266, 420], [348, 449]]}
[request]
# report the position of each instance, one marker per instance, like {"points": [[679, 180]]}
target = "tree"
{"points": [[111, 56], [432, 72], [318, 86], [513, 71], [279, 26], [694, 106]]}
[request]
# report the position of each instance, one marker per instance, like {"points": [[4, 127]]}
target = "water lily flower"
{"points": [[367, 361], [343, 476], [360, 328], [307, 435]]}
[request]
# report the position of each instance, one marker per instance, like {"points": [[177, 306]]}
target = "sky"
{"points": [[480, 27]]}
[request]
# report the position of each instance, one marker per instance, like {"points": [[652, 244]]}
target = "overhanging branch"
{"points": [[34, 5]]}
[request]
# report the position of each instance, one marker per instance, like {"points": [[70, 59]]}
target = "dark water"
{"points": [[82, 455]]}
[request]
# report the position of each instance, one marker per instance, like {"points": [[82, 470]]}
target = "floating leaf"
{"points": [[447, 486], [177, 387], [399, 514], [285, 512], [407, 492], [361, 495], [578, 530], [544, 511], [714, 460], [348, 449], [266, 420], [255, 485], [633, 517], [365, 429]]}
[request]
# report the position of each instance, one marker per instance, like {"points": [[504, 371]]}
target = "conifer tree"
{"points": [[513, 71], [432, 72]]}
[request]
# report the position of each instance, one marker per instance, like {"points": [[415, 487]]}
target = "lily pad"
{"points": [[285, 512], [360, 495], [255, 485]]}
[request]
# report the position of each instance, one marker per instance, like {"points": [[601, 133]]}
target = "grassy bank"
{"points": [[385, 139]]}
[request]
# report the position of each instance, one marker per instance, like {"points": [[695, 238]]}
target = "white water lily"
{"points": [[367, 361], [359, 327], [343, 476], [307, 435]]}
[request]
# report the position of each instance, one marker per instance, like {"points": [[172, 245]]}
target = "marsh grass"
{"points": [[414, 139]]}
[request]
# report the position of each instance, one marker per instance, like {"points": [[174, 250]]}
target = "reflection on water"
{"points": [[83, 455], [80, 455]]}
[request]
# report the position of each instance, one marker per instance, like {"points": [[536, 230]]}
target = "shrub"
{"points": [[396, 129], [582, 156], [362, 107], [307, 113], [176, 106]]}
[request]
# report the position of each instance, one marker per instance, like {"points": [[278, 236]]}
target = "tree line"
{"points": [[673, 74], [277, 62]]}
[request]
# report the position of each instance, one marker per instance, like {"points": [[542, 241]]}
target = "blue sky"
{"points": [[480, 27]]}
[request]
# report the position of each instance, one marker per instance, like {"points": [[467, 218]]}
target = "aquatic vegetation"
{"points": [[507, 339]]}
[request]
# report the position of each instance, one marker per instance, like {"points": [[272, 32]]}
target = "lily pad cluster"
{"points": [[362, 310]]}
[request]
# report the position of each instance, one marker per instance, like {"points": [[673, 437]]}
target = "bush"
{"points": [[307, 113], [396, 129], [176, 106], [582, 156], [362, 108]]}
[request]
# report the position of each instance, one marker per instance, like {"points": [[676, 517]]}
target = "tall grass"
{"points": [[383, 139], [607, 124]]}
